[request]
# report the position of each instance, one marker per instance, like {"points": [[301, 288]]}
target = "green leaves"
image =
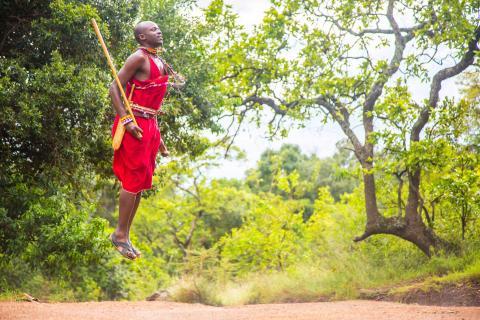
{"points": [[294, 175], [56, 238], [271, 238], [53, 118], [68, 21]]}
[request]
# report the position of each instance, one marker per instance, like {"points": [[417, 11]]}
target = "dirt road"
{"points": [[345, 310]]}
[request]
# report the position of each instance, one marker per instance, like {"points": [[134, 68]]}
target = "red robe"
{"points": [[134, 161]]}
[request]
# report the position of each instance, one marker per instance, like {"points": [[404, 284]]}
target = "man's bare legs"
{"points": [[138, 197], [127, 202]]}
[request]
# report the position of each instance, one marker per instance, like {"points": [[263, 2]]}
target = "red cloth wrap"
{"points": [[134, 161]]}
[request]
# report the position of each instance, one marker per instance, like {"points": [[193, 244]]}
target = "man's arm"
{"points": [[133, 65], [178, 81]]}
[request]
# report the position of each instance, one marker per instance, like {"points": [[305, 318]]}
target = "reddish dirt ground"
{"points": [[344, 310]]}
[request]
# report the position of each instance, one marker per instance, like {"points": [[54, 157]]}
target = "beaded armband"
{"points": [[126, 120]]}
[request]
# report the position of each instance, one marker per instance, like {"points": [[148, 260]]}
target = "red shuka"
{"points": [[134, 161]]}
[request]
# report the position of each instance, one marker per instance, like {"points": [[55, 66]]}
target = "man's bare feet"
{"points": [[123, 247]]}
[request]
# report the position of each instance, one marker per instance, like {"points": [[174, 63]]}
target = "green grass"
{"points": [[337, 278], [471, 272], [10, 295]]}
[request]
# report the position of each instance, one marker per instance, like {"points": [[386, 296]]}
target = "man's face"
{"points": [[152, 35]]}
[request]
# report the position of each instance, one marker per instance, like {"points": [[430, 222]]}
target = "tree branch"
{"points": [[237, 73], [467, 60], [363, 32], [341, 118], [193, 226], [385, 75], [267, 101], [400, 44], [399, 190]]}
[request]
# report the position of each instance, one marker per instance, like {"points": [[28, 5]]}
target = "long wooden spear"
{"points": [[117, 138]]}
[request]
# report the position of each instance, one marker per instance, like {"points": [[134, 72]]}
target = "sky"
{"points": [[315, 138]]}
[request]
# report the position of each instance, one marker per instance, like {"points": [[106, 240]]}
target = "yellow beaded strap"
{"points": [[126, 119]]}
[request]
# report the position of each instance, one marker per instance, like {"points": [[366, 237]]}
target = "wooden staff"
{"points": [[117, 138]]}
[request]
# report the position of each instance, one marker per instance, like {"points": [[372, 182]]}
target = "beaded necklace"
{"points": [[156, 52]]}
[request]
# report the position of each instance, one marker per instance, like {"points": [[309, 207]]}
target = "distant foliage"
{"points": [[272, 237], [292, 174]]}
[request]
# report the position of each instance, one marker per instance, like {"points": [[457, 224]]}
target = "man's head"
{"points": [[148, 34]]}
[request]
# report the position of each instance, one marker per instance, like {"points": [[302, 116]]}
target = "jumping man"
{"points": [[147, 75]]}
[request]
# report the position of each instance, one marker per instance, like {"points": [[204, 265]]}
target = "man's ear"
{"points": [[141, 36]]}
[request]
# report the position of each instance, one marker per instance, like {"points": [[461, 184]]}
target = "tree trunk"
{"points": [[464, 219], [418, 233], [410, 227], [373, 215]]}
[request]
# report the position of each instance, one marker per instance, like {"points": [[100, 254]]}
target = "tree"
{"points": [[53, 102], [312, 172], [456, 181], [354, 62]]}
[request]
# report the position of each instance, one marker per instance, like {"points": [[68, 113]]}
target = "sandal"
{"points": [[123, 247], [137, 252]]}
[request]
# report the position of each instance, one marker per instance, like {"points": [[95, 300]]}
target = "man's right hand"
{"points": [[134, 130]]}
